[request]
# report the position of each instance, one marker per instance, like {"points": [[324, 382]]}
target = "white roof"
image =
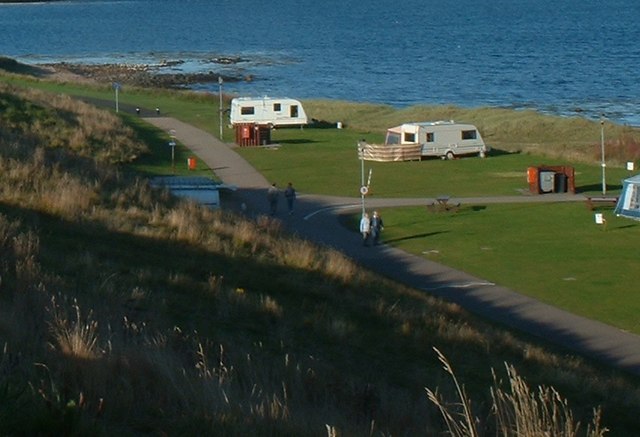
{"points": [[414, 126], [261, 99]]}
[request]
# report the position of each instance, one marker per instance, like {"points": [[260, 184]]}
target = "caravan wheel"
{"points": [[450, 155]]}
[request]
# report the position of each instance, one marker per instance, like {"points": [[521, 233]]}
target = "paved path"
{"points": [[316, 219]]}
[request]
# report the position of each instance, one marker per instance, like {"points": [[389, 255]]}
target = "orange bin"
{"points": [[192, 163]]}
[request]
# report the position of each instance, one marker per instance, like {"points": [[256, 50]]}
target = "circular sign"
{"points": [[364, 190]]}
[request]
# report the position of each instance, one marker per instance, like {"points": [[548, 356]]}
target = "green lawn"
{"points": [[326, 161], [553, 252]]}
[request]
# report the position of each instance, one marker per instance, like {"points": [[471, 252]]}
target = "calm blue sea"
{"points": [[570, 57]]}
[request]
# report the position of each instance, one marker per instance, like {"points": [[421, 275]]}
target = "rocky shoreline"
{"points": [[143, 75]]}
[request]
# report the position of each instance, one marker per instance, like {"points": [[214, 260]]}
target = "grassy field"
{"points": [[553, 252], [326, 161], [124, 310]]}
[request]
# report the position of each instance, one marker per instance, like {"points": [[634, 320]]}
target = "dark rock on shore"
{"points": [[143, 75], [225, 60]]}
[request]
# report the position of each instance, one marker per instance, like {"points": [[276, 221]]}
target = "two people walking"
{"points": [[370, 228], [273, 195]]}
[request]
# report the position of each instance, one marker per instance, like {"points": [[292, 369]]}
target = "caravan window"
{"points": [[469, 134], [409, 137], [392, 138], [277, 107], [293, 111], [430, 137], [247, 110]]}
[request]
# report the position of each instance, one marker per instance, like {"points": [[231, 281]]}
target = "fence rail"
{"points": [[389, 153]]}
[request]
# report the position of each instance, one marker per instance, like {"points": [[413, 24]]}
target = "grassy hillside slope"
{"points": [[124, 310]]}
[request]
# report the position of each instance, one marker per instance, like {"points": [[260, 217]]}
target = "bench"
{"points": [[442, 204], [595, 201]]}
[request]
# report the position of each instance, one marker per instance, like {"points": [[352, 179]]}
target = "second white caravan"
{"points": [[446, 139]]}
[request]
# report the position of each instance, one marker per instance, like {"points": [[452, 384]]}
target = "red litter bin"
{"points": [[192, 163]]}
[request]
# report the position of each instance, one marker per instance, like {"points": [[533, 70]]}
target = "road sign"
{"points": [[364, 190]]}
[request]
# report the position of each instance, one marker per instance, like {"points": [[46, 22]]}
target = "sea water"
{"points": [[567, 57]]}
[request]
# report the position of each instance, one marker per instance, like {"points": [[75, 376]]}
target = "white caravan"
{"points": [[267, 111], [446, 139]]}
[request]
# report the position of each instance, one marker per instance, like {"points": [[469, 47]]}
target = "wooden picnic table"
{"points": [[441, 203], [594, 201]]}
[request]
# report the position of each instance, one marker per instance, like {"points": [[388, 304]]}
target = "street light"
{"points": [[116, 87], [220, 103], [603, 163], [172, 144]]}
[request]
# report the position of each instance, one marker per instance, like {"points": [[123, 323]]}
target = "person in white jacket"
{"points": [[365, 228]]}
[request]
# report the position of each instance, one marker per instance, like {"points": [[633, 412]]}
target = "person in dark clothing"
{"points": [[290, 195], [272, 197], [376, 227]]}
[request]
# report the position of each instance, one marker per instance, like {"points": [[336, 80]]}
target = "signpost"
{"points": [[364, 189]]}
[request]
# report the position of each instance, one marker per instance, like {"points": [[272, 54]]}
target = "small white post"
{"points": [[116, 87], [220, 103]]}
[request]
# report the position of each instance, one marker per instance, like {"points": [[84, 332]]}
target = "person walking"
{"points": [[272, 197], [365, 228], [290, 195], [376, 227]]}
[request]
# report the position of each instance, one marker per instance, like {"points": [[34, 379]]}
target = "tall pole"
{"points": [[363, 188], [603, 163], [220, 103], [116, 87], [172, 144]]}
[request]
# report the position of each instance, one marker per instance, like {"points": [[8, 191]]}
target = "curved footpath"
{"points": [[316, 219]]}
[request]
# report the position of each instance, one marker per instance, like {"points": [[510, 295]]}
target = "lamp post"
{"points": [[172, 144], [116, 87], [603, 163], [220, 103]]}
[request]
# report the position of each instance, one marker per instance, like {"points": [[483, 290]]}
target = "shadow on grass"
{"points": [[597, 188], [414, 237], [500, 152], [296, 141]]}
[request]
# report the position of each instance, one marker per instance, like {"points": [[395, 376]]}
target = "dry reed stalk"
{"points": [[297, 254], [522, 412], [270, 306], [461, 422], [76, 338], [187, 228], [519, 412], [336, 265]]}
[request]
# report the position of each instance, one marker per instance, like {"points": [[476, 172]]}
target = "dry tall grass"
{"points": [[125, 310], [518, 411]]}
